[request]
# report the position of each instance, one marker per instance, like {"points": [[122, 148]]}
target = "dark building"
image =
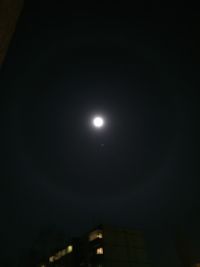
{"points": [[104, 246], [9, 13], [49, 240], [183, 249], [68, 255], [188, 255]]}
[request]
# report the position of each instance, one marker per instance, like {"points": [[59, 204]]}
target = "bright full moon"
{"points": [[98, 122]]}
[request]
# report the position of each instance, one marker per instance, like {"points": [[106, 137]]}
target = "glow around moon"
{"points": [[98, 122]]}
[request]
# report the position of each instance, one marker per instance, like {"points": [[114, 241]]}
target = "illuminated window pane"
{"points": [[59, 255], [69, 249], [99, 235], [99, 251], [95, 234], [51, 259], [63, 252]]}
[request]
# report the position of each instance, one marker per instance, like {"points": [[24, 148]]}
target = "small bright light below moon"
{"points": [[98, 122]]}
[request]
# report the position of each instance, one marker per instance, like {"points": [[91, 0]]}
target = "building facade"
{"points": [[104, 246], [188, 255]]}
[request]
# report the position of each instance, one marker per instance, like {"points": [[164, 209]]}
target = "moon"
{"points": [[98, 122]]}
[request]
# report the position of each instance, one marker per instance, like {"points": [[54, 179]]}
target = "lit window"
{"points": [[100, 235], [99, 251], [63, 252], [51, 259], [95, 234], [69, 249], [43, 265], [60, 254]]}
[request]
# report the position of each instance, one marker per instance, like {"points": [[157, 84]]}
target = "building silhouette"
{"points": [[104, 246], [185, 250]]}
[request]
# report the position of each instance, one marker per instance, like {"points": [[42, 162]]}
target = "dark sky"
{"points": [[137, 66]]}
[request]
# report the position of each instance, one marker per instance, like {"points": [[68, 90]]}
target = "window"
{"points": [[99, 235], [60, 254], [69, 249], [95, 234], [54, 258], [99, 251], [51, 259]]}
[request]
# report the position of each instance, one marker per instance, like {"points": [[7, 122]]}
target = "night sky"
{"points": [[139, 68]]}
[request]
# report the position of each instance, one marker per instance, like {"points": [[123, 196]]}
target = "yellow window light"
{"points": [[99, 251], [99, 235], [69, 249], [60, 254], [95, 235], [51, 259], [63, 252]]}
